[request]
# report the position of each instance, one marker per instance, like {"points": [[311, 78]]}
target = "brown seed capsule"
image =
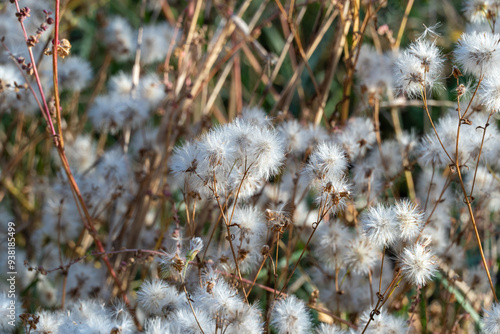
{"points": [[456, 72]]}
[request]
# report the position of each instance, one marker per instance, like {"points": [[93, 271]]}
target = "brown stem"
{"points": [[257, 275], [424, 96], [229, 238], [192, 309], [55, 45], [315, 227], [479, 155]]}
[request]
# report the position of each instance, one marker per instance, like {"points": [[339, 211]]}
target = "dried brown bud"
{"points": [[63, 49], [32, 41], [456, 72], [210, 286], [265, 250]]}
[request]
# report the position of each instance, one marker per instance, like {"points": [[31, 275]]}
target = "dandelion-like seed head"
{"points": [[491, 320], [490, 92], [418, 264], [409, 218], [360, 255], [478, 53], [290, 315], [380, 226]]}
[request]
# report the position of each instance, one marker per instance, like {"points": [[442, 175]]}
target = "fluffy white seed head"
{"points": [[360, 255], [329, 329], [156, 41], [357, 137], [418, 264], [157, 298], [327, 162], [418, 68], [294, 135], [383, 323], [195, 245], [290, 315], [491, 320], [333, 194], [185, 322], [74, 74], [410, 220], [329, 244], [118, 38], [380, 226], [490, 91], [478, 53], [157, 325], [478, 11], [255, 116]]}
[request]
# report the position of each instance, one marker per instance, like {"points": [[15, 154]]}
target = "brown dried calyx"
{"points": [[63, 49]]}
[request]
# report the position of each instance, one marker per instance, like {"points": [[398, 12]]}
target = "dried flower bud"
{"points": [[23, 13], [32, 41], [456, 72]]}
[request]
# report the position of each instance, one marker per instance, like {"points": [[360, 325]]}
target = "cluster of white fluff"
{"points": [[216, 305], [122, 107], [359, 211], [121, 39], [419, 68], [231, 160]]}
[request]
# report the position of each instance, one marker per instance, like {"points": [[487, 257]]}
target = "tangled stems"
{"points": [[228, 224], [456, 165], [382, 298], [57, 138], [311, 306], [321, 212]]}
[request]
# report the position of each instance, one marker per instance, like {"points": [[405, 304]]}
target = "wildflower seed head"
{"points": [[418, 264], [383, 323], [357, 137], [329, 245], [157, 325], [256, 116], [294, 135], [478, 11], [118, 37], [326, 162], [333, 194], [418, 68], [360, 255], [290, 315], [74, 74], [491, 320], [490, 91], [329, 329], [410, 220], [156, 41], [478, 53], [380, 226]]}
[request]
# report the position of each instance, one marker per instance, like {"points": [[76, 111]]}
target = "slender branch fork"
{"points": [[467, 198]]}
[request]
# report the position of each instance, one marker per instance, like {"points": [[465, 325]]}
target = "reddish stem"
{"points": [[37, 77]]}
